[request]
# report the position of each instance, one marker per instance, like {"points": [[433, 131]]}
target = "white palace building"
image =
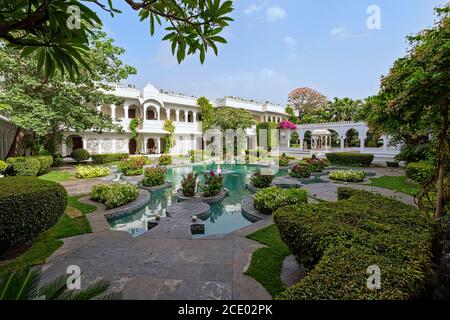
{"points": [[152, 107]]}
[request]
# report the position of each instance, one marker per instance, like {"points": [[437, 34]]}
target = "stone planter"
{"points": [[199, 197], [165, 185]]}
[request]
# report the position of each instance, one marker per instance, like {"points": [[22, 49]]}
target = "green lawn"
{"points": [[57, 176], [400, 184], [266, 263], [49, 241]]}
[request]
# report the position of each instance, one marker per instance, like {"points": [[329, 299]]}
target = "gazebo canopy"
{"points": [[321, 132]]}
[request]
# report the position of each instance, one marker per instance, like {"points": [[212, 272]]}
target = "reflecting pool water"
{"points": [[224, 217]]}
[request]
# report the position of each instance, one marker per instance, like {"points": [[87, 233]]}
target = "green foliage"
{"points": [[315, 164], [25, 285], [207, 112], [345, 109], [266, 263], [347, 175], [270, 131], [80, 155], [28, 206], [170, 139], [109, 157], [114, 195], [400, 184], [24, 166], [165, 160], [337, 241], [53, 106], [43, 30], [134, 166], [270, 199], [188, 184], [261, 180], [300, 170], [46, 162], [3, 166], [350, 159], [231, 118], [284, 160], [213, 184], [154, 177], [420, 172], [88, 172]]}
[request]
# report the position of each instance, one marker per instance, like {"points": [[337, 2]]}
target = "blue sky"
{"points": [[276, 46]]}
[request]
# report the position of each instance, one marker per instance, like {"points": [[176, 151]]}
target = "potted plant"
{"points": [[213, 184], [188, 184]]}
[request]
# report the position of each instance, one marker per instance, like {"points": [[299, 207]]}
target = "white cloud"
{"points": [[290, 41], [275, 13], [252, 9], [342, 32]]}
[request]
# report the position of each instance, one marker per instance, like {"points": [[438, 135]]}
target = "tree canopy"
{"points": [[414, 96], [207, 112], [306, 100], [50, 107], [231, 118], [56, 32]]}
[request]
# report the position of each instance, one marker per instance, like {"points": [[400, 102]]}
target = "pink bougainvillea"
{"points": [[286, 124]]}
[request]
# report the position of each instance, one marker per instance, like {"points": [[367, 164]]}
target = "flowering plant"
{"points": [[213, 184], [286, 124]]}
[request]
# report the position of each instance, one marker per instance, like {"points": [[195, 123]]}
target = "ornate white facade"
{"points": [[152, 107]]}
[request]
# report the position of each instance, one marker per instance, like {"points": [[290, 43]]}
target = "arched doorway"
{"points": [[132, 146], [151, 146], [352, 139], [74, 142]]}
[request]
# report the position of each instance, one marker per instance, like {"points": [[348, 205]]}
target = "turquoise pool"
{"points": [[224, 217]]}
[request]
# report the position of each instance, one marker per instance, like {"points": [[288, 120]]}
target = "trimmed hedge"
{"points": [[24, 166], [133, 166], [114, 195], [109, 157], [338, 241], [347, 175], [45, 163], [88, 172], [419, 171], [351, 159], [28, 207], [80, 155], [270, 199]]}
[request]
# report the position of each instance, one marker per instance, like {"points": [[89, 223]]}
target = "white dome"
{"points": [[321, 132], [150, 89]]}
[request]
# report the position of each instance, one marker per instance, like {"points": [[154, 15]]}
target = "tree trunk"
{"points": [[442, 162]]}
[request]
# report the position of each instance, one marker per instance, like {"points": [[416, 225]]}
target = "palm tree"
{"points": [[24, 285]]}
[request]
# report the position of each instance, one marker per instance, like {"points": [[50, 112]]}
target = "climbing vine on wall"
{"points": [[134, 125], [170, 139]]}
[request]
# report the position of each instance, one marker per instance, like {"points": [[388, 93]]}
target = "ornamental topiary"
{"points": [[28, 207], [46, 162], [270, 199], [109, 157], [80, 155], [153, 177], [114, 195], [24, 166], [350, 158], [338, 241]]}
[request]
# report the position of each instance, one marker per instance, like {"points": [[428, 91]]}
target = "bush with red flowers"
{"points": [[213, 184]]}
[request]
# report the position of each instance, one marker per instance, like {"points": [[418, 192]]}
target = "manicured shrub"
{"points": [[270, 199], [188, 184], [300, 170], [154, 177], [350, 159], [88, 172], [315, 165], [134, 166], [261, 180], [419, 171], [3, 167], [347, 175], [80, 155], [45, 163], [114, 195], [284, 160], [165, 160], [58, 160], [109, 157], [24, 166], [338, 241], [28, 207], [213, 184]]}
